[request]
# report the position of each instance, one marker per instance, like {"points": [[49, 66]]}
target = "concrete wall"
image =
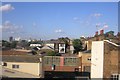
{"points": [[31, 68], [97, 59]]}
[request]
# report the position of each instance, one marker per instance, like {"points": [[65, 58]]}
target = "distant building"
{"points": [[11, 39], [22, 66], [17, 39], [58, 46], [35, 45], [105, 62], [71, 47]]}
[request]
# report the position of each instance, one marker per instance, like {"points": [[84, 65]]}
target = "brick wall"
{"points": [[61, 63], [111, 59]]}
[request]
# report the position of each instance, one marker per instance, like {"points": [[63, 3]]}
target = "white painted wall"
{"points": [[50, 44], [97, 59], [60, 47], [31, 68], [34, 45]]}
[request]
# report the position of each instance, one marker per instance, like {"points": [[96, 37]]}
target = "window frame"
{"points": [[14, 66]]}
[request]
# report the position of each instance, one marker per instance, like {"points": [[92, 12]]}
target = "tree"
{"points": [[23, 44], [51, 53], [110, 33], [13, 44], [77, 45]]}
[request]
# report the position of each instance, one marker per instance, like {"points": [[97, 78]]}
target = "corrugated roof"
{"points": [[21, 58]]}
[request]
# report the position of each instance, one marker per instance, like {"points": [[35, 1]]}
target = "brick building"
{"points": [[61, 63], [105, 61]]}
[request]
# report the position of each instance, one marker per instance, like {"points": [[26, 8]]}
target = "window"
{"points": [[89, 59], [62, 50], [15, 66], [115, 77], [71, 61], [4, 64], [61, 45]]}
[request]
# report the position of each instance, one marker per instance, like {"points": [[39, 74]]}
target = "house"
{"points": [[85, 60], [18, 66], [57, 45], [87, 42], [105, 61]]}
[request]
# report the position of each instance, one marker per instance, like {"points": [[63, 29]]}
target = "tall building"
{"points": [[11, 39]]}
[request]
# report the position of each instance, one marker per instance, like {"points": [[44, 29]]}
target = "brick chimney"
{"points": [[101, 32], [96, 33]]}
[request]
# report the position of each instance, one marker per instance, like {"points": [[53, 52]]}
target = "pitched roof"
{"points": [[13, 52], [47, 47], [21, 58]]}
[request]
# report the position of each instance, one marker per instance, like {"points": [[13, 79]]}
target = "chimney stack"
{"points": [[96, 33], [101, 32]]}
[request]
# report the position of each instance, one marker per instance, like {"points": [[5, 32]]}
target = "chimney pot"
{"points": [[102, 31]]}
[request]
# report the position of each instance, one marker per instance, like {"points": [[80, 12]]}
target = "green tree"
{"points": [[110, 33], [23, 43], [5, 43], [51, 53], [13, 44], [77, 45]]}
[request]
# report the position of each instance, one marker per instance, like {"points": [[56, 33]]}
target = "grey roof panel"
{"points": [[18, 58]]}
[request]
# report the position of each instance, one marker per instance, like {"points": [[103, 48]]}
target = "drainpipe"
{"points": [[41, 70]]}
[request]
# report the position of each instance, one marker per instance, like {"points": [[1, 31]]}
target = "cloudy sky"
{"points": [[47, 20]]}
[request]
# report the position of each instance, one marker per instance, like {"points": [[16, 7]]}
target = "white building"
{"points": [[61, 48], [35, 45], [97, 59], [22, 66], [17, 39]]}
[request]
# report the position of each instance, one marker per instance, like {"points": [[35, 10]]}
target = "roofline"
{"points": [[111, 43]]}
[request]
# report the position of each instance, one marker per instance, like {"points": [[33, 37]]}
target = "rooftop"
{"points": [[13, 52], [21, 58], [54, 41]]}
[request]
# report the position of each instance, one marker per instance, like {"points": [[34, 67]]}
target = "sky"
{"points": [[50, 20]]}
